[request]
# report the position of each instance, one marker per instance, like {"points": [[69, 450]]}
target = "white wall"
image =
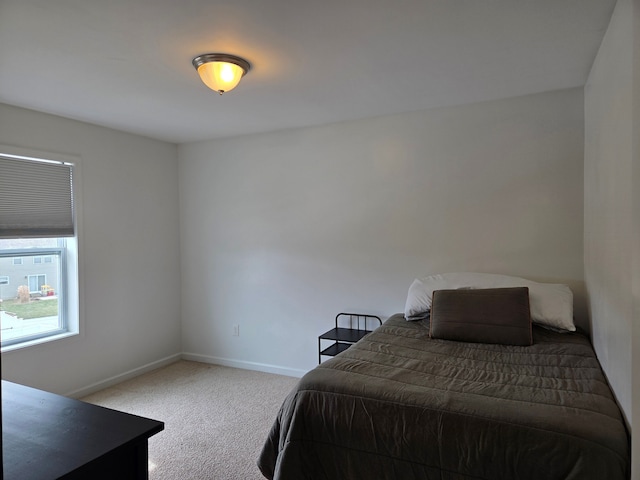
{"points": [[129, 253], [612, 213], [279, 232], [635, 450], [608, 201], [635, 446]]}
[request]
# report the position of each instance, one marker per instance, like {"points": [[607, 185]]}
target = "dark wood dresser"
{"points": [[47, 436]]}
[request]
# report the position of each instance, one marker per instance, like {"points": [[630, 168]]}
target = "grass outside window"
{"points": [[32, 309]]}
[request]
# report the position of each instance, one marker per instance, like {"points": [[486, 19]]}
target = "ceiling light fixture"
{"points": [[219, 71]]}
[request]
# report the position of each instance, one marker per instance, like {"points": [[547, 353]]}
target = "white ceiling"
{"points": [[126, 64]]}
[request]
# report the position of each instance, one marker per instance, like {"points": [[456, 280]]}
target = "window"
{"points": [[38, 251], [39, 260]]}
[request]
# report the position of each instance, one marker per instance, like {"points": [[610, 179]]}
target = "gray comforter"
{"points": [[398, 405]]}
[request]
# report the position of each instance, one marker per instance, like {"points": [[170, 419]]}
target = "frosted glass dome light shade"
{"points": [[219, 71]]}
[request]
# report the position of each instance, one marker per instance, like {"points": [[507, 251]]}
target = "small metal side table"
{"points": [[342, 336]]}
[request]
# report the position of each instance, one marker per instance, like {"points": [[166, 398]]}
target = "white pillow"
{"points": [[551, 304]]}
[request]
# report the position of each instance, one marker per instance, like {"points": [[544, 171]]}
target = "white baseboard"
{"points": [[260, 367], [195, 357], [109, 382]]}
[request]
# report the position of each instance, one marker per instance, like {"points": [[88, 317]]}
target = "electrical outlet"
{"points": [[236, 330]]}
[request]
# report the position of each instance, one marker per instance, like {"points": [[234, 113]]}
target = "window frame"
{"points": [[71, 259]]}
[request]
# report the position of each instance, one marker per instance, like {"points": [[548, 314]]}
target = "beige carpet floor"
{"points": [[216, 418]]}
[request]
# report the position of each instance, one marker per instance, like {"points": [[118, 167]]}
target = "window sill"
{"points": [[37, 341]]}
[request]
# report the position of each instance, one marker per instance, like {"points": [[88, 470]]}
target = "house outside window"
{"points": [[38, 269]]}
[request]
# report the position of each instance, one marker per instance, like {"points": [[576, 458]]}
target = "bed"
{"points": [[400, 404]]}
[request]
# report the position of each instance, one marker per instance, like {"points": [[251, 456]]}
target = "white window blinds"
{"points": [[36, 198]]}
